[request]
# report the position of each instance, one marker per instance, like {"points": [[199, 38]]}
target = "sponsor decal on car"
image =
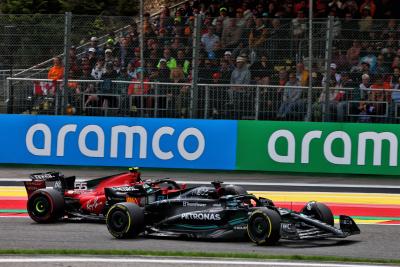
{"points": [[201, 216], [193, 204]]}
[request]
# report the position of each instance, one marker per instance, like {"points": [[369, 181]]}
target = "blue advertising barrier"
{"points": [[112, 141]]}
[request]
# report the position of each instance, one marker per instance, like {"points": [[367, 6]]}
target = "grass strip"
{"points": [[197, 254]]}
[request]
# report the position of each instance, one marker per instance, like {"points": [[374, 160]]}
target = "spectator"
{"points": [[301, 74], [261, 69], [299, 25], [268, 99], [231, 35], [209, 39], [170, 61], [94, 41], [291, 98], [240, 96], [368, 5], [108, 57], [258, 37], [230, 59], [381, 68], [345, 95], [218, 97], [107, 87], [241, 74], [224, 72], [223, 17], [334, 75], [205, 71], [364, 87], [163, 71], [99, 69], [181, 93], [126, 52], [56, 72], [353, 53], [182, 60]]}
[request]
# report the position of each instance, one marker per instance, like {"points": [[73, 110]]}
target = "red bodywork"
{"points": [[91, 193], [93, 199]]}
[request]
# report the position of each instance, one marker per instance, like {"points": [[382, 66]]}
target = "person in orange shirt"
{"points": [[56, 72]]}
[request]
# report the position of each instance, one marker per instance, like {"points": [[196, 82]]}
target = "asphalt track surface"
{"points": [[376, 241]]}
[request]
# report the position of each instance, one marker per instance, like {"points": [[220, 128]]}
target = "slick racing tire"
{"points": [[319, 211], [125, 220], [231, 189], [46, 205], [264, 226]]}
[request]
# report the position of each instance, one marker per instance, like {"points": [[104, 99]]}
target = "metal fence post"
{"points": [[9, 30], [257, 103], [310, 57], [195, 66], [328, 59], [142, 65], [67, 45], [207, 96]]}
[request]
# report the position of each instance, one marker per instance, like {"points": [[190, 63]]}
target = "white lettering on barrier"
{"points": [[346, 159], [305, 145], [129, 133], [376, 138], [200, 147], [46, 150], [164, 155], [290, 157], [95, 153], [69, 128]]}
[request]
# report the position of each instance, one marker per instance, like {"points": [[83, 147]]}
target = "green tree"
{"points": [[87, 7]]}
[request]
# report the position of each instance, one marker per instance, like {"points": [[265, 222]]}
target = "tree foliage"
{"points": [[87, 7]]}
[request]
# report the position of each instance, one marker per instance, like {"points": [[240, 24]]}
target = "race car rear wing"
{"points": [[38, 181]]}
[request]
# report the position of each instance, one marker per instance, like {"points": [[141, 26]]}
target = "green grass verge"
{"points": [[229, 255]]}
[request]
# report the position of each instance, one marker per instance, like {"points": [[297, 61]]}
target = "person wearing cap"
{"points": [[108, 57], [334, 75], [223, 17], [239, 96], [94, 44], [241, 74]]}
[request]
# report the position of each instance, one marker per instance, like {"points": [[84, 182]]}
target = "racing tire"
{"points": [[231, 189], [319, 211], [125, 220], [264, 226], [46, 205]]}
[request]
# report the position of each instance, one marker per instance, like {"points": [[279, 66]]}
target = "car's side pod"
{"points": [[348, 226]]}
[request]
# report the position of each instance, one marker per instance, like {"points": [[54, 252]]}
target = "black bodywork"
{"points": [[221, 213]]}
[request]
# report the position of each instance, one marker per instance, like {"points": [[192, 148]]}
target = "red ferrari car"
{"points": [[89, 200]]}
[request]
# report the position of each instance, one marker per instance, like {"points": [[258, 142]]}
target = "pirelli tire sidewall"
{"points": [[125, 220], [319, 211], [264, 226], [46, 205]]}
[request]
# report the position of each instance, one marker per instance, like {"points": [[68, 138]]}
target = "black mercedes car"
{"points": [[221, 212]]}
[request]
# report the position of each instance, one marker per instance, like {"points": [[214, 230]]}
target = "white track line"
{"points": [[253, 183], [177, 261]]}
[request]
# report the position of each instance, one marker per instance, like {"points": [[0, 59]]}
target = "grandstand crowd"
{"points": [[253, 42]]}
